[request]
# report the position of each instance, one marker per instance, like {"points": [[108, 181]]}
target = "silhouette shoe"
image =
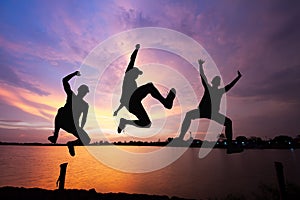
{"points": [[71, 148], [121, 125], [234, 149], [170, 98], [52, 139]]}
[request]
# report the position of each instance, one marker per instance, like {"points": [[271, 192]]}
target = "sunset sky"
{"points": [[42, 41]]}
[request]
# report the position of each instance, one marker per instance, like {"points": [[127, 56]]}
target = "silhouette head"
{"points": [[135, 72], [216, 81], [83, 90]]}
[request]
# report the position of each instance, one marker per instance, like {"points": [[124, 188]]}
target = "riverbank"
{"points": [[73, 194]]}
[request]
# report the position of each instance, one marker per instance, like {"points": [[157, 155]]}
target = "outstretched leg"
{"points": [[191, 115]]}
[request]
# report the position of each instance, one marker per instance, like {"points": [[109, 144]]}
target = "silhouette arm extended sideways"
{"points": [[230, 85]]}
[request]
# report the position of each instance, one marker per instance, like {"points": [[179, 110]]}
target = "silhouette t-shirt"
{"points": [[129, 81], [211, 100], [74, 107], [129, 86]]}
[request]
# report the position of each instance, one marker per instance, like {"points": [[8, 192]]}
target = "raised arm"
{"points": [[202, 75], [132, 58], [230, 85], [66, 79], [84, 116]]}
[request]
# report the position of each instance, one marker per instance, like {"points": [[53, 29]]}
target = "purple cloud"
{"points": [[261, 38], [9, 76]]}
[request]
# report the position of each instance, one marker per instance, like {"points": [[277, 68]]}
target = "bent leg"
{"points": [[83, 137], [149, 88], [191, 115], [231, 148], [155, 93], [139, 111], [142, 121], [58, 121], [168, 101], [221, 119]]}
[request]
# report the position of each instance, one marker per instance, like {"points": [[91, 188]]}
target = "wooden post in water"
{"points": [[61, 179], [280, 179]]}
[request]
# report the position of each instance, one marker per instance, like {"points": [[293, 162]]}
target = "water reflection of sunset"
{"points": [[189, 176]]}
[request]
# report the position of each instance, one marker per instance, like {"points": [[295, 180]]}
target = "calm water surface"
{"points": [[216, 175]]}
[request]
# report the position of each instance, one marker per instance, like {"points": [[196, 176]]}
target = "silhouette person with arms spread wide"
{"points": [[132, 95], [67, 117], [209, 107]]}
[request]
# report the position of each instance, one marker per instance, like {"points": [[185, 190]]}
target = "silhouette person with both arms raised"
{"points": [[132, 95], [67, 117], [209, 107]]}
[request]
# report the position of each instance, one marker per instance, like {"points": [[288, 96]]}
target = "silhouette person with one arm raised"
{"points": [[209, 107], [132, 95], [67, 117]]}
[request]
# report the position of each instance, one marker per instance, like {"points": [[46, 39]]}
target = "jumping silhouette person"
{"points": [[132, 95], [209, 107], [67, 117]]}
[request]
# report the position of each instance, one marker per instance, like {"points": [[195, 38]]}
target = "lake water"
{"points": [[216, 175]]}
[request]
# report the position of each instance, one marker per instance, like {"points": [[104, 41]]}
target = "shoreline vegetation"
{"points": [[279, 142], [263, 192], [9, 192]]}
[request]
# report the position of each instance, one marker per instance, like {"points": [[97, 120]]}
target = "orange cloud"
{"points": [[30, 102]]}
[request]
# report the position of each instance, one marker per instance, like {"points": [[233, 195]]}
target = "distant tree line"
{"points": [[278, 142], [253, 142]]}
